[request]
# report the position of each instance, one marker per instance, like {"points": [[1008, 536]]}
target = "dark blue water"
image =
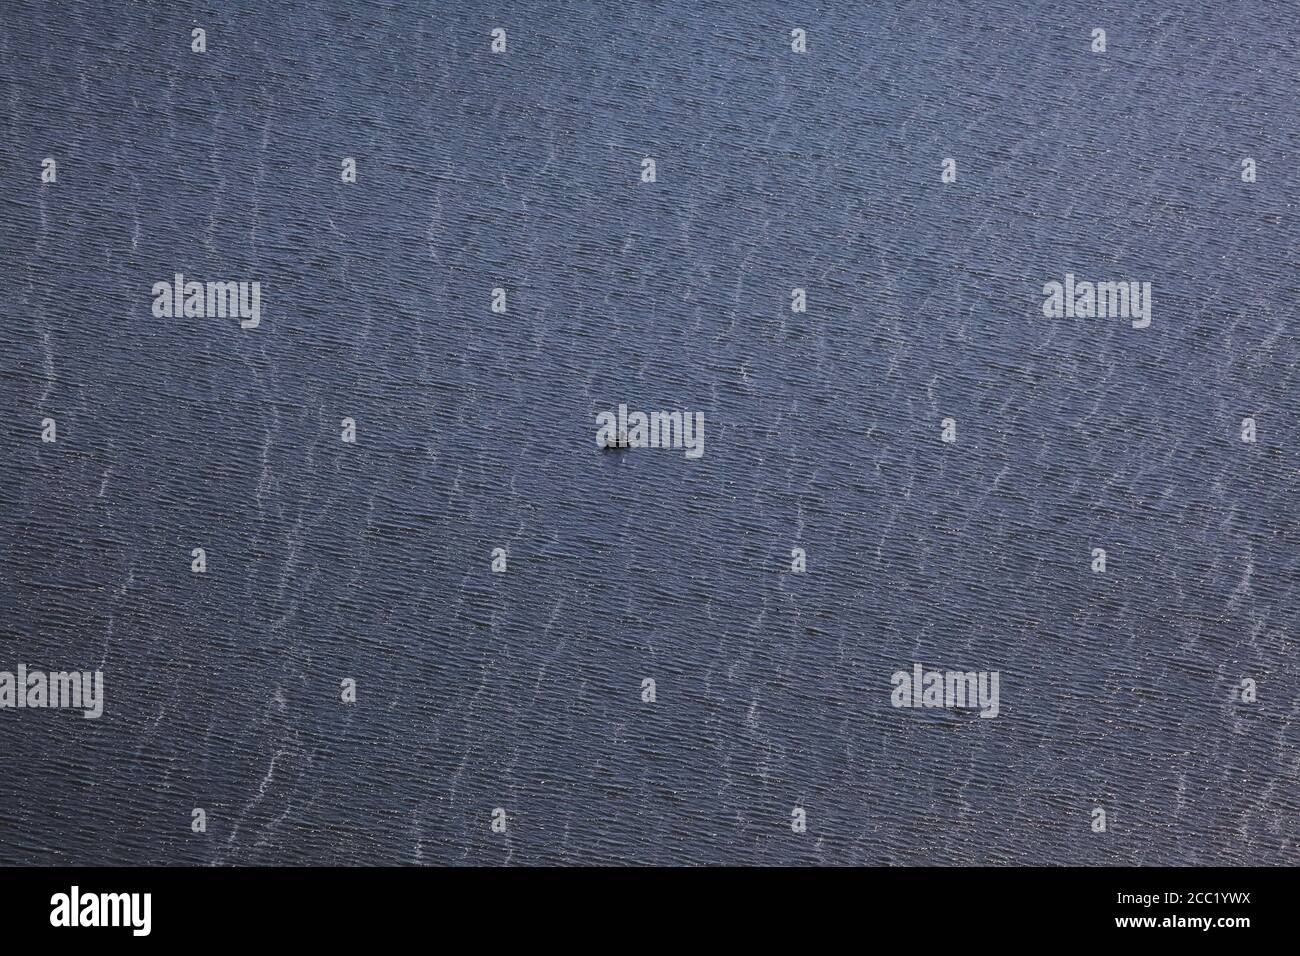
{"points": [[476, 430]]}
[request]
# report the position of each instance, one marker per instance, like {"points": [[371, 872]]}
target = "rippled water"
{"points": [[476, 431]]}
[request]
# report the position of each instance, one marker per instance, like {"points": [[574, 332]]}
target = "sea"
{"points": [[827, 538]]}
